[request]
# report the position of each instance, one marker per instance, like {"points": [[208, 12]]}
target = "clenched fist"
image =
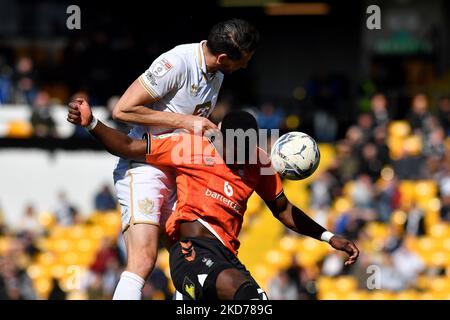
{"points": [[79, 112]]}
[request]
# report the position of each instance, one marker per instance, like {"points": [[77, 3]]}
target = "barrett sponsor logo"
{"points": [[223, 199]]}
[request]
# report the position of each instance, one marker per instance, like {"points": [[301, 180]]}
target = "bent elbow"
{"points": [[117, 114]]}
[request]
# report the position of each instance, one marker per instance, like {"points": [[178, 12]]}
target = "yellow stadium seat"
{"points": [[407, 295], [346, 284], [399, 128], [328, 295], [4, 245], [381, 295], [58, 271], [76, 295], [432, 296], [253, 204], [87, 245], [426, 189], [327, 156], [357, 295], [440, 230], [326, 284], [43, 286], [19, 129], [342, 204], [46, 258], [289, 244], [440, 284], [36, 271], [278, 258], [46, 219]]}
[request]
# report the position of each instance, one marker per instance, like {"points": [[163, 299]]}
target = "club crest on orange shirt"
{"points": [[146, 206]]}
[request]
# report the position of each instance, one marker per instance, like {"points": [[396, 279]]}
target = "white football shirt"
{"points": [[178, 79]]}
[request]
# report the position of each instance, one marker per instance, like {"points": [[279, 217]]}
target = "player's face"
{"points": [[229, 66]]}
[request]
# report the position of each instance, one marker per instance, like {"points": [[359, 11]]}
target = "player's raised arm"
{"points": [[297, 220], [114, 141], [165, 75]]}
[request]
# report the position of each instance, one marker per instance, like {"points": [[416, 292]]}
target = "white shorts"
{"points": [[146, 194]]}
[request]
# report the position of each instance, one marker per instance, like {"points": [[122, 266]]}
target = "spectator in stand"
{"points": [[43, 124], [321, 190], [345, 166], [24, 82], [15, 284], [408, 263], [270, 117], [56, 293], [333, 264], [411, 165], [282, 288], [3, 227], [391, 278], [444, 191], [365, 124], [104, 200], [379, 138], [387, 199], [106, 253], [370, 163], [66, 214], [434, 144], [29, 222], [379, 110], [362, 193], [419, 113], [415, 222], [6, 82], [111, 276], [444, 114]]}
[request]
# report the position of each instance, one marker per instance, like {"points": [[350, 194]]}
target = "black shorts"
{"points": [[195, 264]]}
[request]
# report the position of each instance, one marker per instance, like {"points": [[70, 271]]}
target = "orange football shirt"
{"points": [[207, 188]]}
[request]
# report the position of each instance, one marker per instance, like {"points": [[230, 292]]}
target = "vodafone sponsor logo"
{"points": [[224, 200]]}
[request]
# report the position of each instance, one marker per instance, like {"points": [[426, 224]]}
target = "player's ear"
{"points": [[222, 58]]}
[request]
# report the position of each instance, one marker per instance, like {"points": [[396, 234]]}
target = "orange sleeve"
{"points": [[165, 150], [269, 185]]}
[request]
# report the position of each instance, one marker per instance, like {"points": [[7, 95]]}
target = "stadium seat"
{"points": [[19, 129], [406, 295], [381, 295], [399, 128], [289, 243], [346, 284]]}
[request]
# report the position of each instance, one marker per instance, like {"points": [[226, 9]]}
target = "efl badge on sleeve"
{"points": [[161, 67]]}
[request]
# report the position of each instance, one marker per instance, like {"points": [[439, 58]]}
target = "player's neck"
{"points": [[209, 59]]}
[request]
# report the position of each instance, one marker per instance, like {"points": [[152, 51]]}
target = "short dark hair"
{"points": [[238, 119], [233, 37]]}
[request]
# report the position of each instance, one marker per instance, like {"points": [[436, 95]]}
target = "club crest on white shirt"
{"points": [[161, 67], [194, 90]]}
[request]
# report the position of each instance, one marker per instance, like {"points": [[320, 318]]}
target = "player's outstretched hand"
{"points": [[196, 123], [79, 112], [340, 243]]}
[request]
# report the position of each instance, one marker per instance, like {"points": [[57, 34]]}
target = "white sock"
{"points": [[129, 287]]}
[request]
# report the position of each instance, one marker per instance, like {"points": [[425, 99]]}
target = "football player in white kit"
{"points": [[178, 90]]}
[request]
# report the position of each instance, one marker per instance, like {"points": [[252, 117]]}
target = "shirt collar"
{"points": [[202, 62]]}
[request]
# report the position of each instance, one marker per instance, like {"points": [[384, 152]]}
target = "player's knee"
{"points": [[141, 261], [247, 291]]}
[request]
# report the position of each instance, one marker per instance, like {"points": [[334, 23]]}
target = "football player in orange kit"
{"points": [[212, 196]]}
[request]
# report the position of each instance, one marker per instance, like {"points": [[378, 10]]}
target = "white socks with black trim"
{"points": [[129, 287]]}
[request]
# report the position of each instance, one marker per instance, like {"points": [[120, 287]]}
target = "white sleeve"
{"points": [[166, 73]]}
